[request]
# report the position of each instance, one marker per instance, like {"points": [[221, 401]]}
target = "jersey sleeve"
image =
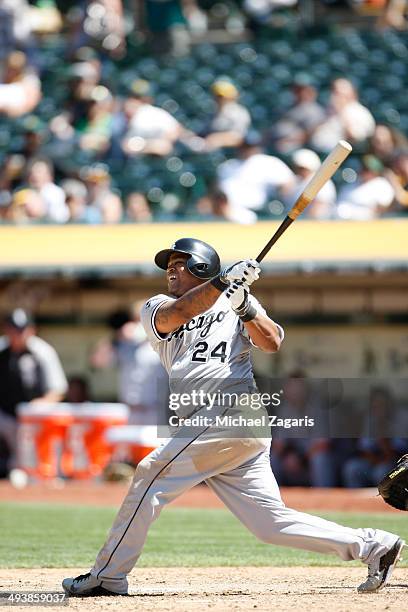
{"points": [[261, 309], [148, 315], [53, 373]]}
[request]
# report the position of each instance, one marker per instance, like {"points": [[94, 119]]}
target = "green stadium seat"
{"points": [[148, 68], [168, 77], [205, 76]]}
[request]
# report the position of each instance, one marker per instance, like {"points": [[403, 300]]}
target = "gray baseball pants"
{"points": [[238, 470]]}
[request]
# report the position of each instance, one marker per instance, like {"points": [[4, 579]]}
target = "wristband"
{"points": [[249, 315], [218, 283], [247, 312]]}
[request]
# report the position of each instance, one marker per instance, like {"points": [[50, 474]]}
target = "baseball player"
{"points": [[203, 332]]}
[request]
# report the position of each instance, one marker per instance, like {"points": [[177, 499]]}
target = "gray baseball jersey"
{"points": [[212, 350]]}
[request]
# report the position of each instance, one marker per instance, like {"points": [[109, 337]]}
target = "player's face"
{"points": [[18, 337], [179, 278]]}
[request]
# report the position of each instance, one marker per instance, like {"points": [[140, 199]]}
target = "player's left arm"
{"points": [[264, 333]]}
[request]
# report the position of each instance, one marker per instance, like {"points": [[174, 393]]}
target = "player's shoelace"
{"points": [[82, 577]]}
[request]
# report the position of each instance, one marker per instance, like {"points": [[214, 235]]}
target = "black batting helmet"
{"points": [[203, 261]]}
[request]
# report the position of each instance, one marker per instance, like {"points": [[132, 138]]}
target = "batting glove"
{"points": [[245, 271], [238, 294]]}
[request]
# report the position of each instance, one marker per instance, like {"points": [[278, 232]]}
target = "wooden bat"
{"points": [[321, 176]]}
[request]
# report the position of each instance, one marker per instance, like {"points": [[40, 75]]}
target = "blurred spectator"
{"points": [[346, 118], [40, 179], [95, 128], [148, 129], [385, 141], [294, 128], [101, 197], [306, 163], [20, 88], [369, 197], [34, 136], [142, 379], [214, 207], [85, 57], [78, 390], [11, 172], [45, 18], [138, 209], [5, 207], [231, 120], [76, 196], [251, 179], [15, 26], [296, 459], [166, 24], [98, 23], [30, 371], [394, 15], [262, 10], [397, 175], [83, 78], [27, 206], [377, 454]]}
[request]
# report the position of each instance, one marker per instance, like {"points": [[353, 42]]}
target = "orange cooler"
{"points": [[90, 449], [41, 439]]}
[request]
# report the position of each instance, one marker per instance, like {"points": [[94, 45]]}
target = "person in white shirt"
{"points": [[249, 180], [231, 120], [150, 129], [40, 178], [30, 371], [346, 118], [306, 162], [369, 197], [20, 87], [142, 381]]}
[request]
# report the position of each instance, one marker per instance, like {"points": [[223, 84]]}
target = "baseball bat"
{"points": [[321, 176]]}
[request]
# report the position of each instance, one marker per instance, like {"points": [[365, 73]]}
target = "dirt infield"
{"points": [[109, 494], [192, 589], [186, 589]]}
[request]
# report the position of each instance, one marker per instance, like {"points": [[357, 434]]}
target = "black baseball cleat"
{"points": [[87, 585], [380, 570]]}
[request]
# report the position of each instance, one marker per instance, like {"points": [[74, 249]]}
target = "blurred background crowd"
{"points": [[150, 110]]}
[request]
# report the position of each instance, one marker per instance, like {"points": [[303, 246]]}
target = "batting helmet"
{"points": [[203, 261]]}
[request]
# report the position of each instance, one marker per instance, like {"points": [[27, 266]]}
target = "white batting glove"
{"points": [[237, 293], [244, 271]]}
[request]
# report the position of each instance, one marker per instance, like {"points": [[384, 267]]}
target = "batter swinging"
{"points": [[203, 333]]}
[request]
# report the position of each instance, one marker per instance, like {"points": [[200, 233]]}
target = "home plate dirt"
{"points": [[330, 589]]}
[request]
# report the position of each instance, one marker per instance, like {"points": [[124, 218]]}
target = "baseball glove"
{"points": [[393, 488]]}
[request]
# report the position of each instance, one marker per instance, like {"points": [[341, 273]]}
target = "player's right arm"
{"points": [[174, 313]]}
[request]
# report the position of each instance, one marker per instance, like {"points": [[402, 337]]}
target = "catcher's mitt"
{"points": [[393, 488]]}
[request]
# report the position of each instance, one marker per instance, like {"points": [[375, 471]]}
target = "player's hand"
{"points": [[237, 293], [244, 271]]}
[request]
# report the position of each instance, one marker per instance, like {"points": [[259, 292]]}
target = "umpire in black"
{"points": [[30, 371]]}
